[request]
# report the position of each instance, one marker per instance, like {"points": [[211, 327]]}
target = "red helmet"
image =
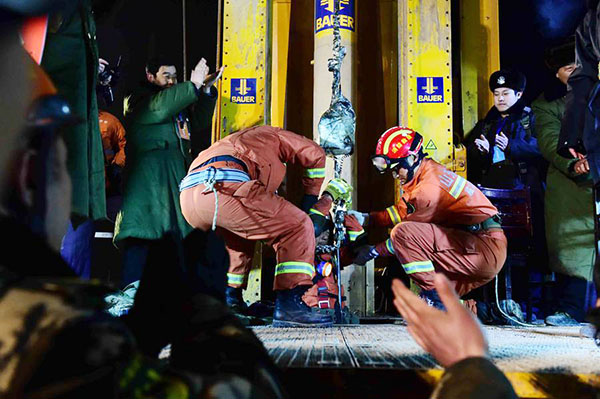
{"points": [[394, 145]]}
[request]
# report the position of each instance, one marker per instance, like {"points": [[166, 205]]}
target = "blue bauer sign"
{"points": [[430, 90], [243, 91], [324, 15]]}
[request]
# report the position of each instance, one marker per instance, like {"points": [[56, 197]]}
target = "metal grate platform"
{"points": [[540, 362]]}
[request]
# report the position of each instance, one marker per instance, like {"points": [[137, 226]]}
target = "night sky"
{"points": [[140, 29], [137, 29], [527, 27]]}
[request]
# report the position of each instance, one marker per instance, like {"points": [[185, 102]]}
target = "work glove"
{"points": [[339, 189], [308, 201], [363, 218], [364, 254]]}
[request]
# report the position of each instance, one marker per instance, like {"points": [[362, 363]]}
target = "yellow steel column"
{"points": [[388, 18], [244, 90], [279, 66], [480, 57], [323, 29], [424, 73]]}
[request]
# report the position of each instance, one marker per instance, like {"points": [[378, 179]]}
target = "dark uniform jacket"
{"points": [[524, 164]]}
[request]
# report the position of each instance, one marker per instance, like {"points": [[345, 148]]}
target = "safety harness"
{"points": [[211, 176]]}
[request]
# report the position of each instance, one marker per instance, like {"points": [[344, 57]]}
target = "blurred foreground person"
{"points": [[456, 340], [55, 340]]}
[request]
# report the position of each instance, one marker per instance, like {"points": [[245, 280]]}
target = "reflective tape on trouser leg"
{"points": [[418, 267], [235, 279], [294, 267]]}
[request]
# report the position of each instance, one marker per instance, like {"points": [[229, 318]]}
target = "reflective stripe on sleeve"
{"points": [[316, 173], [418, 267], [394, 215], [389, 246], [458, 187]]}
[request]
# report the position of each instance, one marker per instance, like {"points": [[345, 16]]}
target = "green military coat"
{"points": [[158, 158], [568, 199], [71, 59]]}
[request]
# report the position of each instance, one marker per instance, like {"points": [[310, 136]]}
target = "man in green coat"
{"points": [[568, 200], [157, 118]]}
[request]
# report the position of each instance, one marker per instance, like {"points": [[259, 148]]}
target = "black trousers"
{"points": [[570, 294], [135, 254]]}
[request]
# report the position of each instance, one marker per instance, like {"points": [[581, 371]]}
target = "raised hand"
{"points": [[483, 145], [449, 336], [199, 73], [501, 141]]}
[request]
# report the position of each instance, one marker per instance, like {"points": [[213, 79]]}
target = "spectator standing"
{"points": [[568, 200], [502, 148], [157, 118], [579, 135], [71, 60], [503, 152]]}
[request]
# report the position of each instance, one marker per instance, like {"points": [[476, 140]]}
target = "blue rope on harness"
{"points": [[209, 177]]}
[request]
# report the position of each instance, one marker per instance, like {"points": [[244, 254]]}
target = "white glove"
{"points": [[363, 218]]}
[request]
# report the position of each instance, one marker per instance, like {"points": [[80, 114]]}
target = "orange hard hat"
{"points": [[394, 145]]}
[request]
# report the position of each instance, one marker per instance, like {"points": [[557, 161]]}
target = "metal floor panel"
{"points": [[529, 350], [306, 347]]}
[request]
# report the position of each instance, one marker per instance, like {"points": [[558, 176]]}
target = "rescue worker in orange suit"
{"points": [[231, 187], [443, 223], [113, 144]]}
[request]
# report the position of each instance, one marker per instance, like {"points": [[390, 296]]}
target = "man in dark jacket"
{"points": [[157, 119], [502, 148], [503, 151]]}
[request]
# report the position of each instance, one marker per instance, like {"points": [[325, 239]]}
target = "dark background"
{"points": [[527, 27], [140, 29]]}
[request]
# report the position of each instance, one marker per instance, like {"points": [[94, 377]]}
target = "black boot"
{"points": [[234, 299], [291, 311]]}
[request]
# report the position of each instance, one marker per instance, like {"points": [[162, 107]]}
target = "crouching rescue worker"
{"points": [[442, 223], [232, 186]]}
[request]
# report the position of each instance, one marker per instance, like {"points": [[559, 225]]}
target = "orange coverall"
{"points": [[252, 211], [113, 139], [429, 234]]}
